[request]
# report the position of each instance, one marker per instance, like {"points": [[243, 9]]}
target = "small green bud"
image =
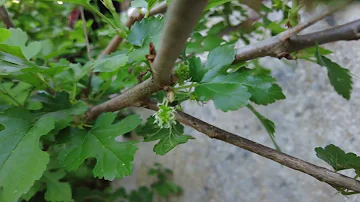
{"points": [[182, 72]]}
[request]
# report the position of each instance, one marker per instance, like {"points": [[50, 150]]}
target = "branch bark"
{"points": [[336, 180], [182, 18], [347, 32], [4, 16]]}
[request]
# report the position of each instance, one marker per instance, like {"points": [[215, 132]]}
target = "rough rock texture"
{"points": [[312, 115]]}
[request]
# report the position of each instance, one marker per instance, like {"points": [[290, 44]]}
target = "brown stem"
{"points": [[126, 99], [347, 32], [274, 46], [336, 180], [4, 16]]}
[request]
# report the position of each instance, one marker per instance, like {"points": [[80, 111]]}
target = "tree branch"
{"points": [[347, 32], [182, 18], [274, 47], [4, 16], [336, 180], [269, 47], [178, 26], [289, 33]]}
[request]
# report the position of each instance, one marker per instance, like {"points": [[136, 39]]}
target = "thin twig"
{"points": [[347, 32], [85, 33], [4, 16], [298, 28], [274, 46], [336, 180]]}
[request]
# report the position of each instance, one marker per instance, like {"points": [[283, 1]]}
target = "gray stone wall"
{"points": [[312, 115]]}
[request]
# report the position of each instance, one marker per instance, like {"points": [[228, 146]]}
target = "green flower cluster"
{"points": [[165, 116]]}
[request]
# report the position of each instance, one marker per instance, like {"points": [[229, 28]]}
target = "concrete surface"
{"points": [[312, 115]]}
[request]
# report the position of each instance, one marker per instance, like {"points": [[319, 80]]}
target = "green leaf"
{"points": [[37, 187], [166, 188], [60, 108], [146, 31], [69, 78], [55, 189], [226, 96], [151, 4], [260, 84], [199, 43], [143, 194], [32, 49], [196, 69], [169, 137], [22, 162], [14, 94], [84, 194], [309, 53], [19, 38], [13, 50], [268, 125], [337, 158], [15, 66], [4, 33], [142, 33], [114, 159], [218, 60], [110, 64], [232, 91], [340, 78]]}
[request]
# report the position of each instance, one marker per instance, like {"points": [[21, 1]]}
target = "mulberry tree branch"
{"points": [[336, 180], [180, 22]]}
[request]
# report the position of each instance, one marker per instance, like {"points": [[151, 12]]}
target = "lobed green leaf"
{"points": [[114, 159], [22, 162]]}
